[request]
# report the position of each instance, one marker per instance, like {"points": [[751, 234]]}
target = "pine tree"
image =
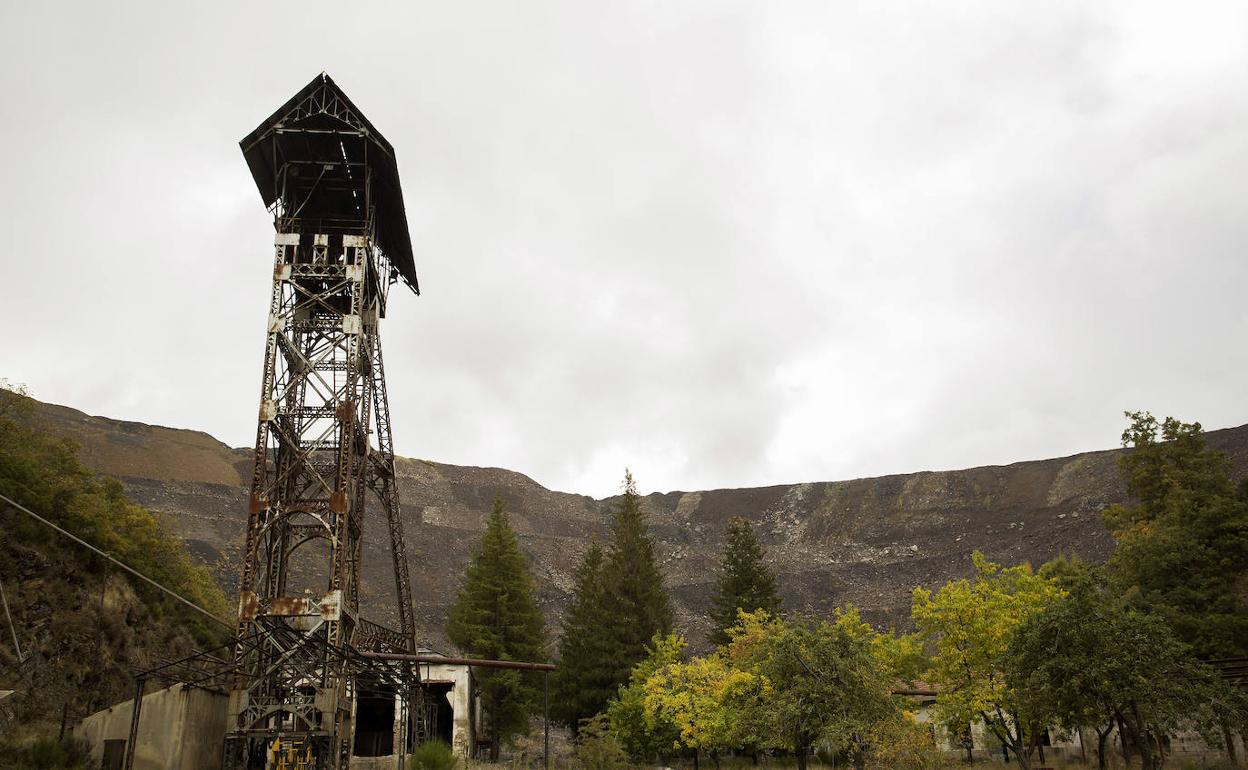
{"points": [[637, 603], [585, 679], [495, 616], [745, 583]]}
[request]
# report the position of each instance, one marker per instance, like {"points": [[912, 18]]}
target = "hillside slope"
{"points": [[866, 541], [75, 627]]}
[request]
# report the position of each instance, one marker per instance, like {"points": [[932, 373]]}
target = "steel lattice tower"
{"points": [[323, 438]]}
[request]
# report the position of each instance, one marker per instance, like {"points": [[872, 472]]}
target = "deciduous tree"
{"points": [[699, 699], [1182, 546], [822, 681], [1095, 661], [646, 736], [972, 623]]}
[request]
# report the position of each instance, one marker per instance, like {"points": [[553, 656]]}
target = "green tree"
{"points": [[900, 660], [586, 678], [745, 582], [637, 604], [972, 623], [699, 699], [642, 735], [495, 616], [1182, 547], [1097, 662], [819, 681]]}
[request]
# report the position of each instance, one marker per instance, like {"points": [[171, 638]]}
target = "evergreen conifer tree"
{"points": [[495, 616], [585, 679], [637, 603], [745, 583]]}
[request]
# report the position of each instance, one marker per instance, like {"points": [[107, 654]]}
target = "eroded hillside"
{"points": [[866, 541]]}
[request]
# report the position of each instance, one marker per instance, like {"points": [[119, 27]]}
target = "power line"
{"points": [[12, 628], [227, 623]]}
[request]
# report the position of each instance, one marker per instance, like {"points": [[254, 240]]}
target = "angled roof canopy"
{"points": [[321, 127]]}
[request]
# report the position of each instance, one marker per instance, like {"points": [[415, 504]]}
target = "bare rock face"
{"points": [[866, 541]]}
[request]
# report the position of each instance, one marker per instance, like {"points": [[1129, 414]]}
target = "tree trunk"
{"points": [[1124, 739], [801, 757], [695, 759], [494, 736], [1101, 737], [1023, 758]]}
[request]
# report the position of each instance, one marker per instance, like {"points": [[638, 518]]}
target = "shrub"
{"points": [[597, 747], [433, 755], [900, 743], [45, 754]]}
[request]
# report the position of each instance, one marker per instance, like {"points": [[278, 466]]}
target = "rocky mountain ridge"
{"points": [[865, 541]]}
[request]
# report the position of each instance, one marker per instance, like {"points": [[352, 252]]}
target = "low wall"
{"points": [[180, 728]]}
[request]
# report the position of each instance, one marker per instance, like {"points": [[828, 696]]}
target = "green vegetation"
{"points": [[781, 684], [45, 475], [745, 582], [1091, 660], [1182, 548], [638, 606], [971, 623], [433, 755], [1114, 648], [644, 732], [618, 606], [585, 679], [495, 616], [597, 747], [82, 623], [45, 754]]}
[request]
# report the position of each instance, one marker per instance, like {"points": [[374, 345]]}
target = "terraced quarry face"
{"points": [[867, 541]]}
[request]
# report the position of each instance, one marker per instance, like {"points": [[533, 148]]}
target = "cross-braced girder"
{"points": [[331, 182]]}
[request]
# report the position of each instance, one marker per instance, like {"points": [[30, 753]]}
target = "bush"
{"points": [[900, 743], [433, 755], [45, 754], [597, 747]]}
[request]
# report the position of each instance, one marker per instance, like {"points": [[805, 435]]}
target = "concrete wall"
{"points": [[180, 728], [1072, 747], [460, 697]]}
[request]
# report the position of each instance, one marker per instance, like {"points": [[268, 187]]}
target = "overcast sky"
{"points": [[726, 244]]}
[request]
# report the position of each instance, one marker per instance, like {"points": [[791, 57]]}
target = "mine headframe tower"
{"points": [[331, 181]]}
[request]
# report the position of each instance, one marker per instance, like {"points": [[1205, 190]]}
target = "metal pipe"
{"points": [[475, 662]]}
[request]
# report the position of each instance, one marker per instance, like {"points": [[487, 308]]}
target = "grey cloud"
{"points": [[724, 243]]}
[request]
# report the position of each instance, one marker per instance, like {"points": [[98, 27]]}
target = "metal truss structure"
{"points": [[331, 182]]}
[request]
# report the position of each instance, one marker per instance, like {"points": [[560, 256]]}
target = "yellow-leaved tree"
{"points": [[972, 622]]}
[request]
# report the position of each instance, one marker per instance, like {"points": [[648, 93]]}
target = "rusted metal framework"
{"points": [[323, 438]]}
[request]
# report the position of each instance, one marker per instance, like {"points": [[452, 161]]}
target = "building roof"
{"points": [[321, 124]]}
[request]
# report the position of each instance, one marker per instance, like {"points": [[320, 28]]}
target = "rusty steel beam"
{"points": [[473, 662], [331, 183]]}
